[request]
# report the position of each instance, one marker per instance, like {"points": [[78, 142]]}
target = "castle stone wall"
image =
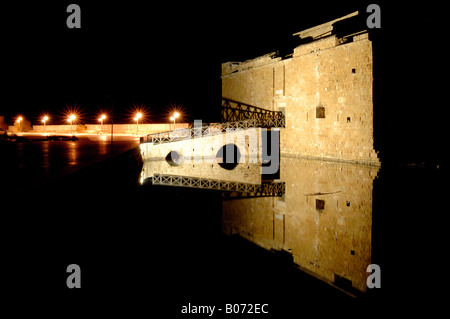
{"points": [[325, 91]]}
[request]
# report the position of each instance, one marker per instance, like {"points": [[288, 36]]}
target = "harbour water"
{"points": [[149, 248], [35, 161]]}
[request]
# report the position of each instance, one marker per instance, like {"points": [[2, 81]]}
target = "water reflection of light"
{"points": [[102, 146], [72, 153], [323, 219], [141, 179], [45, 155]]}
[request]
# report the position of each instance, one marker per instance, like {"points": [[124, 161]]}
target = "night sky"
{"points": [[170, 53]]}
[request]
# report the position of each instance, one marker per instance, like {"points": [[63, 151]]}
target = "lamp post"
{"points": [[44, 120], [19, 119], [174, 118], [71, 119], [102, 117], [138, 116]]}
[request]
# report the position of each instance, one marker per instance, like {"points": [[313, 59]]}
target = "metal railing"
{"points": [[265, 189], [233, 111], [235, 116], [202, 131]]}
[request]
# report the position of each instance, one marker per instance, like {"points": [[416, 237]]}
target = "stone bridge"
{"points": [[214, 155]]}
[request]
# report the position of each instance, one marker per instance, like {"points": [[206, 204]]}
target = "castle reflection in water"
{"points": [[321, 216]]}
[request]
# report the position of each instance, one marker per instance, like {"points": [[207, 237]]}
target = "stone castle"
{"points": [[324, 88]]}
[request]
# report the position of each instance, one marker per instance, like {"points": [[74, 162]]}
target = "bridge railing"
{"points": [[202, 131], [235, 115], [233, 111]]}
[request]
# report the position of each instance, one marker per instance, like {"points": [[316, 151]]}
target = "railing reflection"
{"points": [[231, 189], [243, 181]]}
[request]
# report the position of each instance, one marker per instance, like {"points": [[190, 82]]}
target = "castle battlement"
{"points": [[324, 88]]}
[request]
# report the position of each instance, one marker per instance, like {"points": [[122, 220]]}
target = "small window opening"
{"points": [[320, 112], [320, 204]]}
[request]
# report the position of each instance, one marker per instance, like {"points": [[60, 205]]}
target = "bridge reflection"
{"points": [[242, 181], [320, 213]]}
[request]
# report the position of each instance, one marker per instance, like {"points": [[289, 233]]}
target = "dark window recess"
{"points": [[353, 70], [347, 203], [348, 120], [320, 112], [320, 204]]}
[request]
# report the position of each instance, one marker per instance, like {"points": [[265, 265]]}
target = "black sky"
{"points": [[137, 52], [158, 54]]}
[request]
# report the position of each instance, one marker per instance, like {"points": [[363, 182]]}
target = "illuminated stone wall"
{"points": [[144, 128], [324, 220], [247, 141], [325, 91]]}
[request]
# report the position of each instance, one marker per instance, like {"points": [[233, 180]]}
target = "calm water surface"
{"points": [[192, 240], [24, 165]]}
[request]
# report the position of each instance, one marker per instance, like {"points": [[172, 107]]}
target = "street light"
{"points": [[71, 118], [174, 117], [138, 116], [102, 117], [19, 119], [44, 119]]}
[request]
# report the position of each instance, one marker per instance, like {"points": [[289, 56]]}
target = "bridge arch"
{"points": [[228, 156], [174, 158]]}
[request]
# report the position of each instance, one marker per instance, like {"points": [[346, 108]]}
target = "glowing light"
{"points": [[44, 120], [101, 118], [19, 119], [72, 113], [71, 118], [138, 113], [175, 112], [174, 117]]}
